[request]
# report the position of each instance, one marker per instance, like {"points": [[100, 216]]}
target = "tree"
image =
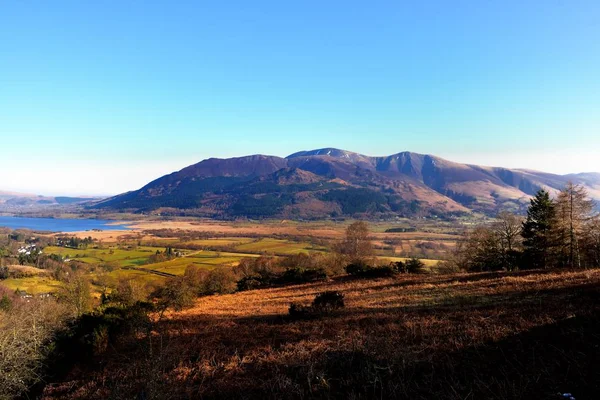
{"points": [[27, 330], [219, 280], [507, 229], [537, 230], [76, 293], [128, 292], [356, 245], [574, 211], [414, 265], [592, 242], [478, 251], [176, 294]]}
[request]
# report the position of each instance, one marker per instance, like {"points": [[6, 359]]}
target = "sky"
{"points": [[101, 97]]}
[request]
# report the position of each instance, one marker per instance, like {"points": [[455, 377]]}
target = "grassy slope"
{"points": [[33, 284], [481, 336]]}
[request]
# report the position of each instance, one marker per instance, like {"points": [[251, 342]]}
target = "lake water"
{"points": [[58, 224]]}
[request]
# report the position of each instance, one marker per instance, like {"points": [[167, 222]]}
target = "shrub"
{"points": [[379, 272], [328, 301], [366, 271], [399, 266], [357, 268], [219, 281], [301, 275], [176, 294], [5, 303], [323, 303], [250, 283], [414, 266], [289, 276]]}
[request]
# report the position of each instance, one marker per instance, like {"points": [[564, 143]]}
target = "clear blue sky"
{"points": [[115, 93]]}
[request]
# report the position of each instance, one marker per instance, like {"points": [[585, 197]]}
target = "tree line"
{"points": [[563, 232]]}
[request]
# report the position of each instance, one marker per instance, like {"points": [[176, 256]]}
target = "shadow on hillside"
{"points": [[517, 303], [555, 358], [258, 357], [402, 281], [561, 357]]}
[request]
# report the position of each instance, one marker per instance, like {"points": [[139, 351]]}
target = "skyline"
{"points": [[161, 169], [99, 99]]}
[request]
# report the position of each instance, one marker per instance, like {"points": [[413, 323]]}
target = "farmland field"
{"points": [[209, 244], [33, 284], [277, 246]]}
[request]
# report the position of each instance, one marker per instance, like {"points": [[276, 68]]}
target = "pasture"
{"points": [[209, 244]]}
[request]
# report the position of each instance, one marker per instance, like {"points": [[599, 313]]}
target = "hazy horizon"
{"points": [[101, 98], [145, 176]]}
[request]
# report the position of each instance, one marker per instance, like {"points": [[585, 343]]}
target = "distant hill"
{"points": [[332, 182], [15, 201]]}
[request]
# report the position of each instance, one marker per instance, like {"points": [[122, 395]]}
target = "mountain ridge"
{"points": [[332, 182]]}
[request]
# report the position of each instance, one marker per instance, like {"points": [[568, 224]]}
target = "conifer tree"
{"points": [[537, 230]]}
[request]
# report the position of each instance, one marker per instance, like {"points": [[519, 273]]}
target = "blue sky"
{"points": [[99, 97]]}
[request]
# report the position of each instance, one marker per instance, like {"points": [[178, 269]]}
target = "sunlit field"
{"points": [[463, 336]]}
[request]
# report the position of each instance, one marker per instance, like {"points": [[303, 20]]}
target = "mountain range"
{"points": [[16, 200], [331, 182]]}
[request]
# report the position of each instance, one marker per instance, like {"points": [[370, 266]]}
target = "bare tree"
{"points": [[574, 211], [592, 242], [507, 229], [25, 333], [76, 293], [356, 245]]}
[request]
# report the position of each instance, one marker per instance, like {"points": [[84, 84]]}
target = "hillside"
{"points": [[332, 182], [15, 201], [527, 335]]}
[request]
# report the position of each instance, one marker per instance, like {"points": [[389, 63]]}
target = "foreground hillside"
{"points": [[331, 182], [527, 335]]}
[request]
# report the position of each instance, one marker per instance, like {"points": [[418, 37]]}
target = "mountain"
{"points": [[333, 182], [15, 201]]}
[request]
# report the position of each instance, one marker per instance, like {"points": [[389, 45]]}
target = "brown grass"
{"points": [[477, 336]]}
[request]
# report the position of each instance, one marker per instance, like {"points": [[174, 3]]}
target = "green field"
{"points": [[203, 259], [33, 284], [138, 258], [221, 241], [279, 246], [133, 262], [124, 257]]}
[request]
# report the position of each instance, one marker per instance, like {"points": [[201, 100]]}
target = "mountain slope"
{"points": [[331, 182]]}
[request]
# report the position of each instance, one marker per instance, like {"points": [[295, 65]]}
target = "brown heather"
{"points": [[524, 335]]}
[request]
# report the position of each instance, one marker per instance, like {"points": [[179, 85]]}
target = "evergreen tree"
{"points": [[537, 230]]}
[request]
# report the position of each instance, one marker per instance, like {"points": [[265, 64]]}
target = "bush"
{"points": [[301, 275], [219, 281], [176, 294], [251, 283], [289, 276], [414, 266], [323, 303], [5, 303], [357, 268], [366, 271], [411, 266], [328, 301]]}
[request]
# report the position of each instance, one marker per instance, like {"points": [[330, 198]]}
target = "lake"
{"points": [[59, 224]]}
